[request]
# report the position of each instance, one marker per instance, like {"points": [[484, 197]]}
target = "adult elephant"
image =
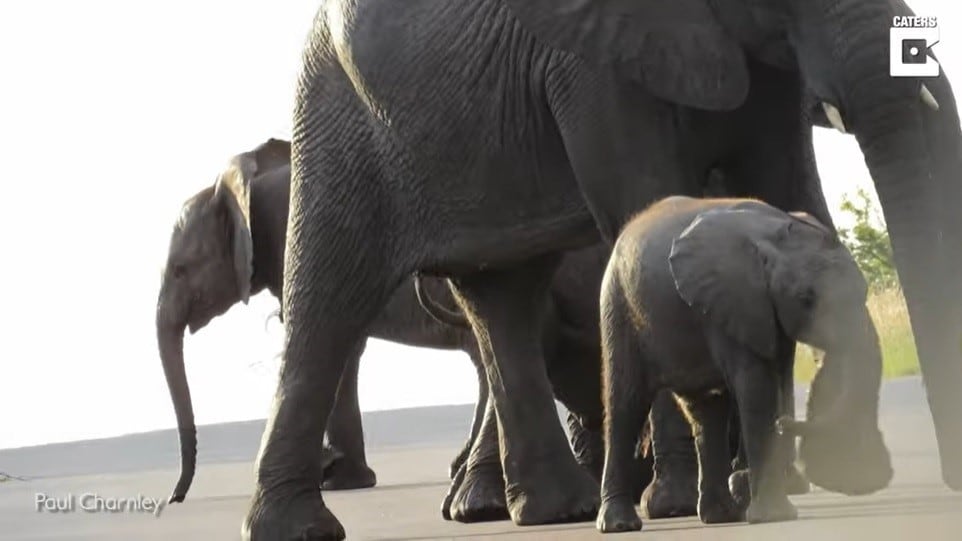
{"points": [[481, 141], [228, 244]]}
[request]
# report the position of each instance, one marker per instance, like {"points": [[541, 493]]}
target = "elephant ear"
{"points": [[719, 271], [232, 191], [676, 49]]}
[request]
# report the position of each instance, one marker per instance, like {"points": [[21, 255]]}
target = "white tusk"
{"points": [[834, 116], [929, 99]]}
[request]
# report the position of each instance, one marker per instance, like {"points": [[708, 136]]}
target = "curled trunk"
{"points": [[841, 446], [170, 339]]}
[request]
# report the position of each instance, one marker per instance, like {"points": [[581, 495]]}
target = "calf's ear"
{"points": [[676, 49], [718, 270]]}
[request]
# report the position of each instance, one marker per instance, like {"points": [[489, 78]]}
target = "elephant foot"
{"points": [[618, 516], [795, 482], [300, 515], [718, 507], [740, 488], [553, 492], [348, 474], [670, 496], [771, 509], [480, 497]]}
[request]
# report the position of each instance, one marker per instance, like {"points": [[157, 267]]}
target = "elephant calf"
{"points": [[706, 298]]}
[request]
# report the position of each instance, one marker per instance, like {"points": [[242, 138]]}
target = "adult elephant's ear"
{"points": [[674, 48], [719, 271], [232, 191]]}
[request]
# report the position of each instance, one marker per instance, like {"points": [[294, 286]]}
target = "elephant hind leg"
{"points": [[544, 484], [673, 490], [628, 396], [479, 495]]}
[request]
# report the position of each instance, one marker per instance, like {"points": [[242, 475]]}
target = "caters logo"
{"points": [[910, 47]]}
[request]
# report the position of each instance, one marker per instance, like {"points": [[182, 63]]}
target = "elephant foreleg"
{"points": [[345, 433]]}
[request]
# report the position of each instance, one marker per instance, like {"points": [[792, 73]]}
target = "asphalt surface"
{"points": [[410, 450]]}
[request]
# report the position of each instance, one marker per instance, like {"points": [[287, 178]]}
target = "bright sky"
{"points": [[112, 113]]}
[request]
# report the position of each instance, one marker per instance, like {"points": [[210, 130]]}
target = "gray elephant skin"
{"points": [[480, 141], [706, 298], [211, 257]]}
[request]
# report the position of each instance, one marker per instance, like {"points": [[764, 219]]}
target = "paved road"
{"points": [[412, 482]]}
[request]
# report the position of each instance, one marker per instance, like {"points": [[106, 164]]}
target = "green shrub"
{"points": [[869, 242]]}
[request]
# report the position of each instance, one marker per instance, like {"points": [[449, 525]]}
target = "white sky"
{"points": [[112, 113]]}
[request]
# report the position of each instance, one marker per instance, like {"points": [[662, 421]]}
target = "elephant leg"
{"points": [[479, 408], [709, 422], [795, 481], [340, 271], [627, 399], [346, 434], [544, 483], [755, 385], [673, 491], [480, 496]]}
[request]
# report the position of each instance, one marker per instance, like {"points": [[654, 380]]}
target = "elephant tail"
{"points": [[439, 313]]}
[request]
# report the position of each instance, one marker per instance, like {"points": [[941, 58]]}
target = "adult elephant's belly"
{"points": [[457, 101]]}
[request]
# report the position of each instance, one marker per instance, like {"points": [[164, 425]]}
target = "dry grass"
{"points": [[895, 334]]}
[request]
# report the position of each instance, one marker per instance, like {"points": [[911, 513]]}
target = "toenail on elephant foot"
{"points": [[667, 497], [302, 517], [347, 474], [719, 508], [795, 482], [479, 498], [446, 504], [618, 516], [554, 493], [776, 509], [740, 488]]}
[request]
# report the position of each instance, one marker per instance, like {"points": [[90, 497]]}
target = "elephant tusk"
{"points": [[929, 99], [834, 116]]}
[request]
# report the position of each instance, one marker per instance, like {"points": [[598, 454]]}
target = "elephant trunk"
{"points": [[913, 153], [908, 131], [841, 446], [170, 339]]}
